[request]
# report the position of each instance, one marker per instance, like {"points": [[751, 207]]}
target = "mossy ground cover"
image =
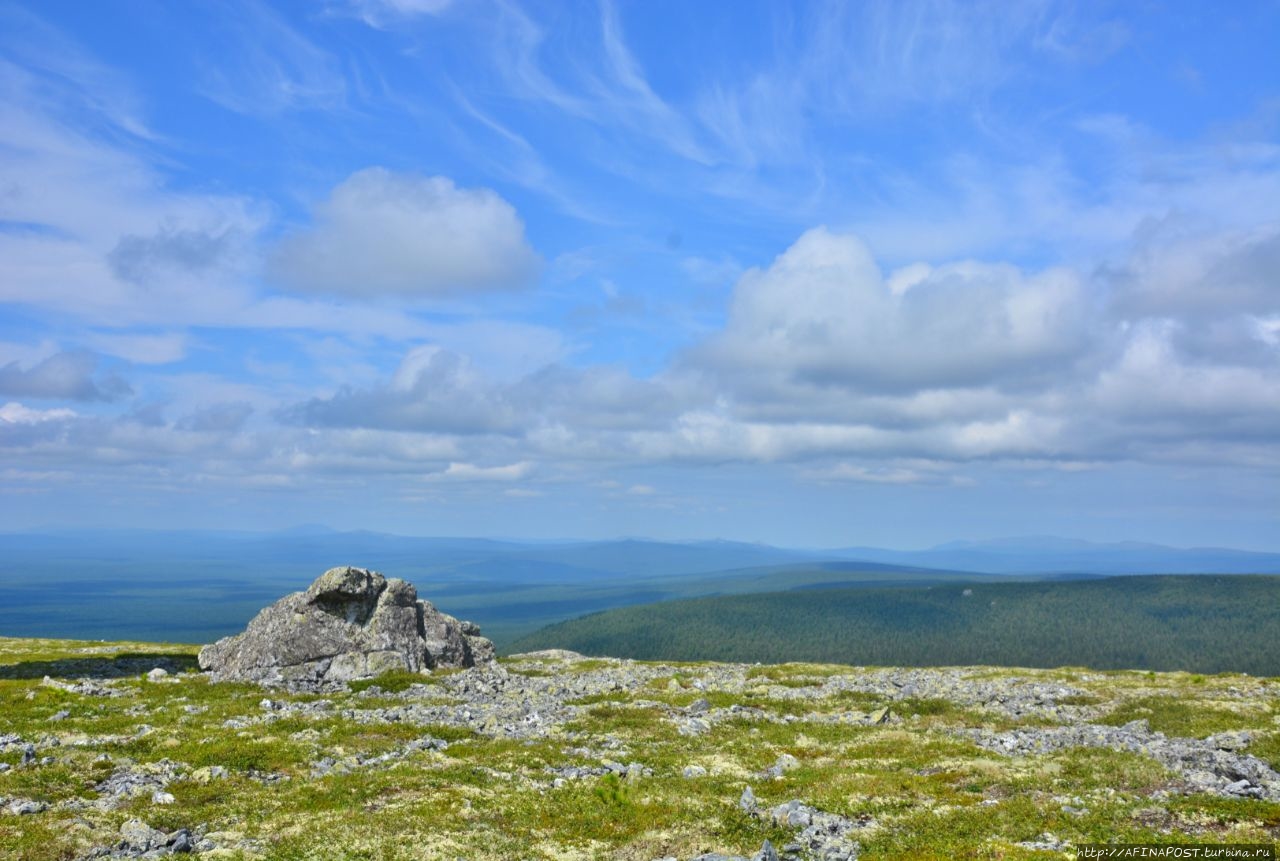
{"points": [[916, 787]]}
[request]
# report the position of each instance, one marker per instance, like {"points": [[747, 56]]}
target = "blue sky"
{"points": [[819, 274]]}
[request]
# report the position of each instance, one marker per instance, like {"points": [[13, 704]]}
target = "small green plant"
{"points": [[612, 791], [391, 682]]}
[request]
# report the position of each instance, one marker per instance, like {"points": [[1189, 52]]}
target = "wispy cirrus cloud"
{"points": [[256, 62]]}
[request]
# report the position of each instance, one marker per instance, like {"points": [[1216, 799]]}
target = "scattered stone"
{"points": [[1202, 763], [158, 674], [140, 837], [84, 687], [209, 773], [828, 836], [785, 762], [24, 807], [145, 780], [60, 715], [692, 771], [1232, 741], [350, 624], [550, 655], [180, 842], [766, 853], [1047, 842]]}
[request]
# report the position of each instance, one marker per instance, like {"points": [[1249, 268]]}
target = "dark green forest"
{"points": [[1203, 624]]}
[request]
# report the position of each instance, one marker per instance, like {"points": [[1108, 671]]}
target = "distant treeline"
{"points": [[1200, 623]]}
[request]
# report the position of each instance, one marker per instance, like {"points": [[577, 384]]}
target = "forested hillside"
{"points": [[1203, 624]]}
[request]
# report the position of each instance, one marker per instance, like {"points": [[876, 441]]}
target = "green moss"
{"points": [[1266, 746], [1185, 716], [30, 839], [392, 682]]}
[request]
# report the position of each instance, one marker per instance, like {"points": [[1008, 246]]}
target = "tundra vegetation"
{"points": [[126, 750]]}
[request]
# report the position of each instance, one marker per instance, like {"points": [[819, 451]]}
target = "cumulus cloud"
{"points": [[823, 314], [825, 364], [1177, 272], [385, 233], [825, 358], [855, 375], [434, 389], [63, 376]]}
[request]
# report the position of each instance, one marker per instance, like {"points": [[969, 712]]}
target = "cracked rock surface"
{"points": [[351, 623]]}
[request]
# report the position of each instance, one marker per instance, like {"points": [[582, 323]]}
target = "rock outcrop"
{"points": [[350, 624]]}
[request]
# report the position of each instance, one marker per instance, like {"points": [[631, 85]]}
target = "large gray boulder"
{"points": [[350, 624]]}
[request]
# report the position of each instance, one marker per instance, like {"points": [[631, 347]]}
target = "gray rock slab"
{"points": [[351, 623]]}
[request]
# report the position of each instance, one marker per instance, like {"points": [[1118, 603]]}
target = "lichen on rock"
{"points": [[351, 623]]}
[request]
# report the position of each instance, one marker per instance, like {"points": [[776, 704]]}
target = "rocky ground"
{"points": [[127, 751]]}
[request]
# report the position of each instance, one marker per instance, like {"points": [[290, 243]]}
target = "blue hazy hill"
{"points": [[196, 586]]}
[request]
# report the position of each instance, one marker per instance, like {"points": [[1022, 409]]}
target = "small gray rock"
{"points": [[180, 842], [766, 853], [141, 837], [26, 808]]}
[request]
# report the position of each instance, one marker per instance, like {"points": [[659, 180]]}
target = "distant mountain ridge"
{"points": [[1035, 554], [144, 584], [1052, 554]]}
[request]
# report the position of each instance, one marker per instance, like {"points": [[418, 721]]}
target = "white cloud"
{"points": [[63, 376], [433, 390], [471, 472], [385, 233], [1176, 270], [822, 315], [14, 413]]}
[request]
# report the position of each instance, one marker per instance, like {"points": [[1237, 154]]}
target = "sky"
{"points": [[808, 273]]}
